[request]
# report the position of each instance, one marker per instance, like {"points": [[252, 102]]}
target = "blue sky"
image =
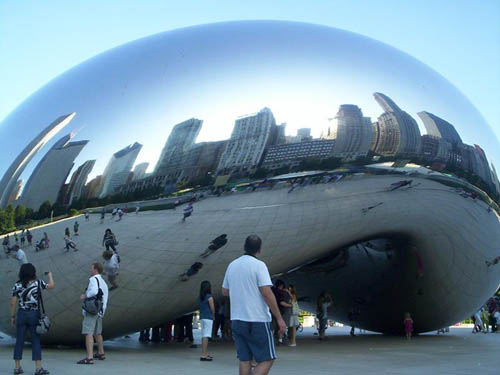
{"points": [[459, 39]]}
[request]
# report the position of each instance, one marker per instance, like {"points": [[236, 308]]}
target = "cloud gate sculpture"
{"points": [[365, 173]]}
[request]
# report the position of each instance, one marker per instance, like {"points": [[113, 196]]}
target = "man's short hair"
{"points": [[279, 283], [253, 243], [98, 267]]}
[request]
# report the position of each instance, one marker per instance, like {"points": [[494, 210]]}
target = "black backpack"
{"points": [[93, 305]]}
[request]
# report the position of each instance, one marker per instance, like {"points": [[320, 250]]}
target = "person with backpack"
{"points": [[95, 300]]}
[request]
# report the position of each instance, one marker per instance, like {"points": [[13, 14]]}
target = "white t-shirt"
{"points": [[243, 278], [21, 256], [92, 290], [111, 266]]}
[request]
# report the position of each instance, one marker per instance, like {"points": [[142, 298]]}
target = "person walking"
{"points": [[109, 240], [87, 216], [75, 228], [137, 209], [111, 266], [92, 323], [46, 240], [323, 303], [26, 296], [23, 238], [6, 245], [294, 317], [408, 323], [103, 213], [16, 239], [207, 315], [188, 210], [29, 236], [68, 241], [248, 284]]}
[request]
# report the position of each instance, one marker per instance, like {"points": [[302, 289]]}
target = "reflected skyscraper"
{"points": [[140, 171], [398, 132], [16, 192], [9, 179], [77, 182], [51, 172], [118, 169], [353, 132], [440, 128], [251, 135], [181, 138]]}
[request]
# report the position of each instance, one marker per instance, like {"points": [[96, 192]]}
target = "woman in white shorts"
{"points": [[207, 314]]}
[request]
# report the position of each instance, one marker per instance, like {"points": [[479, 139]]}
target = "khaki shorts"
{"points": [[92, 325]]}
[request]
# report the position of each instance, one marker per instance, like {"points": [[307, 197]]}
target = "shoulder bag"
{"points": [[43, 325], [93, 305]]}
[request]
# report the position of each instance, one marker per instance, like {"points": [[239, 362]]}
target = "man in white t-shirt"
{"points": [[248, 285], [19, 254], [92, 324]]}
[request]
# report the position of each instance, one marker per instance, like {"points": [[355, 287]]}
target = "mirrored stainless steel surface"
{"points": [[364, 171]]}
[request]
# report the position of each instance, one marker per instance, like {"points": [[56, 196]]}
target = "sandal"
{"points": [[41, 371], [86, 361], [100, 357], [207, 358]]}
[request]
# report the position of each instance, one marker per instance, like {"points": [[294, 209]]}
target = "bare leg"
{"points": [[263, 368], [204, 347], [100, 344], [89, 345], [38, 364], [245, 368], [18, 363]]}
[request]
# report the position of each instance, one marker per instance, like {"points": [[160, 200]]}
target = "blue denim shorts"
{"points": [[253, 340]]}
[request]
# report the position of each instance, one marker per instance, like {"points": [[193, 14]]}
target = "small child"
{"points": [[408, 322]]}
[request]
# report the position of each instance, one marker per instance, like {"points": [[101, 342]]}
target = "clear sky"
{"points": [[459, 39]]}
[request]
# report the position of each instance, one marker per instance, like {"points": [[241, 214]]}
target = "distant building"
{"points": [[251, 136], [435, 149], [291, 154], [483, 166], [181, 138], [16, 192], [494, 178], [118, 169], [196, 163], [140, 171], [440, 128], [92, 188], [50, 174], [77, 182], [353, 133], [303, 134], [398, 133], [11, 176]]}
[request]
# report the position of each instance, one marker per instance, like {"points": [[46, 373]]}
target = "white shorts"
{"points": [[206, 327]]}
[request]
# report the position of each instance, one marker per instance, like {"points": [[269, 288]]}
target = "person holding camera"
{"points": [[96, 294], [25, 296]]}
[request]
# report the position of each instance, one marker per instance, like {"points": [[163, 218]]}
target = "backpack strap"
{"points": [[41, 307]]}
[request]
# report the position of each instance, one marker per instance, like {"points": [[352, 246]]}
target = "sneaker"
{"points": [[18, 371], [41, 371]]}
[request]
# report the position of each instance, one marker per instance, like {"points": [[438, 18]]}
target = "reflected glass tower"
{"points": [[51, 172], [181, 138], [353, 132], [251, 135], [77, 182], [398, 131], [9, 179], [438, 127], [118, 169]]}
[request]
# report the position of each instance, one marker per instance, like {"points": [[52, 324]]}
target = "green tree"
{"points": [[44, 210], [20, 215]]}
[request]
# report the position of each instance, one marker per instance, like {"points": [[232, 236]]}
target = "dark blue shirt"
{"points": [[205, 312]]}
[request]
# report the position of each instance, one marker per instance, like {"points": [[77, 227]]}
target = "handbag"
{"points": [[93, 305], [43, 325]]}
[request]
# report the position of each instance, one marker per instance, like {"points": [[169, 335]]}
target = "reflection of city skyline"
{"points": [[256, 141]]}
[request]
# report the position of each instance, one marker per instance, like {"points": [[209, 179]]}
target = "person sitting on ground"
{"points": [[193, 270], [68, 242], [111, 266], [215, 245]]}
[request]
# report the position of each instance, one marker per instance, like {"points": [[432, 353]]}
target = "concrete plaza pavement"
{"points": [[458, 352]]}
